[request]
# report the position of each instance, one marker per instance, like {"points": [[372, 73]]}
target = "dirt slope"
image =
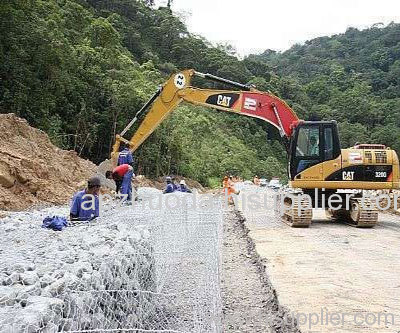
{"points": [[34, 171]]}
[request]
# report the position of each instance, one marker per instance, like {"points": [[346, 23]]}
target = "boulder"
{"points": [[29, 278]]}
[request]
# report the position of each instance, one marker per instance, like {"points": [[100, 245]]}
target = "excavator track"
{"points": [[362, 214], [293, 214]]}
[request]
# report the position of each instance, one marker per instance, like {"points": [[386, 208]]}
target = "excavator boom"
{"points": [[248, 102]]}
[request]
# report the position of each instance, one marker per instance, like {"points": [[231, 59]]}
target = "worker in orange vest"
{"points": [[225, 184], [229, 188]]}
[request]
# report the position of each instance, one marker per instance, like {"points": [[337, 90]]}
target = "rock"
{"points": [[46, 309], [3, 277], [7, 317], [44, 270], [146, 234], [117, 283], [55, 289], [7, 179], [50, 328], [7, 328], [12, 279], [46, 280], [30, 267], [27, 322], [3, 214], [73, 305], [106, 273], [131, 320], [98, 320], [28, 278], [38, 312], [85, 322], [80, 268], [68, 324], [134, 237], [17, 268], [53, 303], [10, 228], [101, 170], [85, 247], [70, 260], [26, 292], [8, 295], [95, 282], [85, 281], [59, 274]]}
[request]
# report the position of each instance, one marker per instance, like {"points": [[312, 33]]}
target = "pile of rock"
{"points": [[88, 277]]}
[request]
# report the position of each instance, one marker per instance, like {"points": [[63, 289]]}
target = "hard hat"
{"points": [[94, 181], [183, 182], [168, 179]]}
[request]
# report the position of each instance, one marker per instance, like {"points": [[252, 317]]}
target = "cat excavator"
{"points": [[318, 168]]}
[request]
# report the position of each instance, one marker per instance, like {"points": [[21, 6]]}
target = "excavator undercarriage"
{"points": [[295, 209], [362, 213]]}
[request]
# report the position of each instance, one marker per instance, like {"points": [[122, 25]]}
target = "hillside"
{"points": [[79, 69], [353, 78]]}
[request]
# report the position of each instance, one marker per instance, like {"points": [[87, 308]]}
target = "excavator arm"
{"points": [[247, 102]]}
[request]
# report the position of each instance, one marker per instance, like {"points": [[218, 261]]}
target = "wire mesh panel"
{"points": [[135, 269]]}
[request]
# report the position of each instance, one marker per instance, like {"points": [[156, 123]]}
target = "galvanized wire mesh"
{"points": [[135, 269]]}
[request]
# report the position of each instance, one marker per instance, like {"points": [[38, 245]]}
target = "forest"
{"points": [[80, 69]]}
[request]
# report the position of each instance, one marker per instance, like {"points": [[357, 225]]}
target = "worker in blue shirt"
{"points": [[183, 187], [125, 156], [170, 186], [85, 204]]}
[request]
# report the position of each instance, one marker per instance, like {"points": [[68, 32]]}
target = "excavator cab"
{"points": [[312, 143]]}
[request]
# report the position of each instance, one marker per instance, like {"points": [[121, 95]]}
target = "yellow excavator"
{"points": [[317, 166]]}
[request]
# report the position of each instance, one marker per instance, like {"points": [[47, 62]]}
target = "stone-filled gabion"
{"points": [[136, 269], [97, 276]]}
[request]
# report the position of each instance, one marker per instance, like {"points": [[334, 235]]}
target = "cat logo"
{"points": [[224, 101], [348, 175]]}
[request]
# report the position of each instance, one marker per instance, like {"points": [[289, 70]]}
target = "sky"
{"points": [[253, 26]]}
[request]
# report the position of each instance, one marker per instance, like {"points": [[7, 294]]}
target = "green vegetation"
{"points": [[353, 78], [80, 69]]}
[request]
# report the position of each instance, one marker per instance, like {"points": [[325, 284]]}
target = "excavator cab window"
{"points": [[308, 142], [313, 143]]}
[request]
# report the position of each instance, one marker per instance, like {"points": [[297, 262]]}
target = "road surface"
{"points": [[333, 277]]}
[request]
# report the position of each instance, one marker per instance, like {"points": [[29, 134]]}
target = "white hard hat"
{"points": [[183, 182]]}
